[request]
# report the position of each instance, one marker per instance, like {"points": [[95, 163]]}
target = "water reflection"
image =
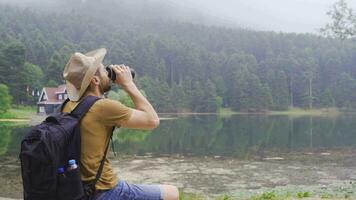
{"points": [[10, 137], [242, 136]]}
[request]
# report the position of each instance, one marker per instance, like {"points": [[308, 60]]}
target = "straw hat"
{"points": [[79, 71]]}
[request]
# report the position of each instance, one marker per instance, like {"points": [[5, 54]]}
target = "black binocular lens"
{"points": [[112, 74]]}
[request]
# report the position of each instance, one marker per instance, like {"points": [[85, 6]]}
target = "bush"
{"points": [[5, 99]]}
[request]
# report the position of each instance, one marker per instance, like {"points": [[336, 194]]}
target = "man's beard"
{"points": [[104, 88]]}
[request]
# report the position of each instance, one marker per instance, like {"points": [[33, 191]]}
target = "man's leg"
{"points": [[126, 191], [169, 192]]}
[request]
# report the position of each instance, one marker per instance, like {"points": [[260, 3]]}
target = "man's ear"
{"points": [[95, 80]]}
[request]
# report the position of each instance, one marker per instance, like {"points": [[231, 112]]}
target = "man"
{"points": [[85, 75]]}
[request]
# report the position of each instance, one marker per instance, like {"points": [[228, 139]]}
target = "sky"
{"points": [[300, 16]]}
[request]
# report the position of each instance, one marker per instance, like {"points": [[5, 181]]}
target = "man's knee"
{"points": [[170, 192]]}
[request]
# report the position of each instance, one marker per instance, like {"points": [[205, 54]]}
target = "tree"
{"points": [[279, 88], [55, 68], [157, 92], [210, 100], [13, 63], [255, 96], [123, 97], [5, 98], [343, 89], [179, 97], [343, 23], [33, 76], [309, 67], [327, 99]]}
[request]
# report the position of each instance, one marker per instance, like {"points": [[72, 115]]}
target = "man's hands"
{"points": [[123, 76], [143, 115]]}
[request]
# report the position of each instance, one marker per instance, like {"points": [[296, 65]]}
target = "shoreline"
{"points": [[212, 178], [290, 112], [15, 120], [228, 113]]}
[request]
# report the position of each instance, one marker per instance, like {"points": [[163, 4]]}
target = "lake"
{"points": [[212, 155]]}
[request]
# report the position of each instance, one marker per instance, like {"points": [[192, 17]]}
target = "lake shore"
{"points": [[26, 113], [29, 116], [289, 112], [296, 175], [309, 174]]}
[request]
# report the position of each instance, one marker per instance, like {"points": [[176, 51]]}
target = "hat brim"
{"points": [[75, 94]]}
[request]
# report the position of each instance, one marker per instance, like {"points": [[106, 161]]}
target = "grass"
{"points": [[269, 195], [311, 112], [19, 112], [227, 112], [189, 196]]}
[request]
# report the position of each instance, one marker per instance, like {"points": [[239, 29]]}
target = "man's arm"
{"points": [[143, 116]]}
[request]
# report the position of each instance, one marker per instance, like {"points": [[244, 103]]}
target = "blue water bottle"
{"points": [[72, 165], [61, 175], [60, 171]]}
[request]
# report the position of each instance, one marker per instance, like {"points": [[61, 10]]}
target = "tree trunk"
{"points": [[310, 93]]}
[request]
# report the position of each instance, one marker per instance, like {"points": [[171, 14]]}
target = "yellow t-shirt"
{"points": [[96, 127]]}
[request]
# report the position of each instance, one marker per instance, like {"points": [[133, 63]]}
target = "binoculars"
{"points": [[112, 74]]}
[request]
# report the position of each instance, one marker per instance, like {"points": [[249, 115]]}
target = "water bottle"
{"points": [[60, 171], [61, 175], [72, 165]]}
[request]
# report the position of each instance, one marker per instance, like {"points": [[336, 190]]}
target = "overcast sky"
{"points": [[299, 16]]}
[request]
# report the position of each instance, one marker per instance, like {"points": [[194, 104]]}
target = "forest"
{"points": [[181, 66]]}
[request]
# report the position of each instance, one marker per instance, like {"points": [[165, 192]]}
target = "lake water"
{"points": [[212, 155]]}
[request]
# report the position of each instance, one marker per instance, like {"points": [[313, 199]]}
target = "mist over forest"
{"points": [[186, 60]]}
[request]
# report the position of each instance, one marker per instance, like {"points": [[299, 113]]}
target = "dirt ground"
{"points": [[323, 173]]}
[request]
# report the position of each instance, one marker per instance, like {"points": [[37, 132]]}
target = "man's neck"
{"points": [[93, 93]]}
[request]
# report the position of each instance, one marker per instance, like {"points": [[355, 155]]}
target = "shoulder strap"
{"points": [[84, 106], [63, 104], [100, 170]]}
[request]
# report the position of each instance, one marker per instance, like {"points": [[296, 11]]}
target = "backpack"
{"points": [[48, 147]]}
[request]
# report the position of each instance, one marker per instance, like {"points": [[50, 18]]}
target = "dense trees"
{"points": [[21, 77], [180, 66]]}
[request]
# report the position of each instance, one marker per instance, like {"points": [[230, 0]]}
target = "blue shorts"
{"points": [[126, 191]]}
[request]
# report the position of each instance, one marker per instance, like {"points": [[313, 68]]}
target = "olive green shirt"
{"points": [[96, 127]]}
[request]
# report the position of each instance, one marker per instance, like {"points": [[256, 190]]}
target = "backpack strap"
{"points": [[90, 190], [83, 107], [62, 106], [100, 170]]}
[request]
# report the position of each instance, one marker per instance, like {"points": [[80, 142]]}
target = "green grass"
{"points": [[301, 112], [19, 112], [268, 195], [227, 112], [189, 196], [7, 115], [272, 195]]}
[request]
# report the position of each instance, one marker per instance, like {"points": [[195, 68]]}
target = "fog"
{"points": [[277, 15], [300, 16]]}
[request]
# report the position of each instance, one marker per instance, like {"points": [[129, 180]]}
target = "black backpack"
{"points": [[47, 147]]}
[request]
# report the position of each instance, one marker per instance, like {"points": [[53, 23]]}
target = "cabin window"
{"points": [[65, 96], [41, 109], [60, 97]]}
